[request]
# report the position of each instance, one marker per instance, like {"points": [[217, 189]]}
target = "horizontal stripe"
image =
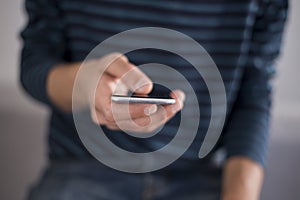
{"points": [[242, 37], [178, 7]]}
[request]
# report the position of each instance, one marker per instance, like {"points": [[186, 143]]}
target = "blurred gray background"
{"points": [[23, 121]]}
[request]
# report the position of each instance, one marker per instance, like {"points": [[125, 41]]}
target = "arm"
{"points": [[246, 135], [48, 78], [242, 179], [60, 83], [43, 47]]}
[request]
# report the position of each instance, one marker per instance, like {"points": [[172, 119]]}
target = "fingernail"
{"points": [[150, 110]]}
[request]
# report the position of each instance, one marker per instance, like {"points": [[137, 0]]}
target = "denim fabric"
{"points": [[90, 180]]}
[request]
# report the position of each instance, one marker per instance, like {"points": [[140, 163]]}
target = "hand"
{"points": [[120, 77]]}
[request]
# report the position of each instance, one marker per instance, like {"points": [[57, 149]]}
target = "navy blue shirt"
{"points": [[243, 38]]}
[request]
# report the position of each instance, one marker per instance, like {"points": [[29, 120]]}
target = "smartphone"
{"points": [[142, 99]]}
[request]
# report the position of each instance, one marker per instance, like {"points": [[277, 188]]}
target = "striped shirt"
{"points": [[242, 37]]}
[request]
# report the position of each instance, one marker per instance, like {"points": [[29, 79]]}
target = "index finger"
{"points": [[130, 75]]}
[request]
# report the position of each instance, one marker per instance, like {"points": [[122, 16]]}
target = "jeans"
{"points": [[91, 180]]}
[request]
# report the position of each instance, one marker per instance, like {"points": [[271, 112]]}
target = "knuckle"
{"points": [[119, 57], [123, 57]]}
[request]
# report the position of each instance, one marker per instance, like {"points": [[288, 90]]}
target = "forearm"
{"points": [[60, 83], [242, 179]]}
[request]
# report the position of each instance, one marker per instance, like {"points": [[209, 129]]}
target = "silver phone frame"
{"points": [[144, 100]]}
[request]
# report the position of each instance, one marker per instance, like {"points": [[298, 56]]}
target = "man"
{"points": [[243, 38]]}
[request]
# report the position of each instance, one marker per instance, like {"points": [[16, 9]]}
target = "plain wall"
{"points": [[23, 121]]}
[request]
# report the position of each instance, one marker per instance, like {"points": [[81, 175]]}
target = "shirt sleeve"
{"points": [[43, 46], [247, 129]]}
